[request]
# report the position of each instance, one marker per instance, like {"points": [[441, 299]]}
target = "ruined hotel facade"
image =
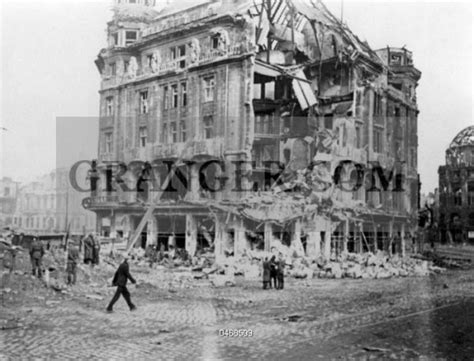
{"points": [[276, 116]]}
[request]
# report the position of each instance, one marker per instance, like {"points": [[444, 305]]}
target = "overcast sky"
{"points": [[49, 47]]}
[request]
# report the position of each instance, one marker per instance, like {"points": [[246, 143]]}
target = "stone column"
{"points": [[327, 244], [268, 235], [220, 238], [390, 238], [240, 241], [402, 239], [193, 186], [313, 245], [113, 228], [152, 231], [296, 238], [376, 246], [346, 236], [191, 234]]}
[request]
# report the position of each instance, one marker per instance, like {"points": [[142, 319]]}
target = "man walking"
{"points": [[36, 255], [120, 280], [72, 259]]}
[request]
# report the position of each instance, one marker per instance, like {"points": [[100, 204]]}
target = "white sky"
{"points": [[48, 50]]}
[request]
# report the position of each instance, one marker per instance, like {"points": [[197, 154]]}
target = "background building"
{"points": [[456, 189], [8, 197], [50, 205], [284, 100]]}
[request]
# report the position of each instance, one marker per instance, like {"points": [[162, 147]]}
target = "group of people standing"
{"points": [[91, 245], [274, 272]]}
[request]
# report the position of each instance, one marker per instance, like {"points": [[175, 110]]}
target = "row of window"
{"points": [[176, 53], [172, 132], [174, 96]]}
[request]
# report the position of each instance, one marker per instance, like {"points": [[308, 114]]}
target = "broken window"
{"points": [[378, 145], [182, 130], [328, 122], [262, 153], [143, 134], [144, 102], [265, 124], [108, 142], [184, 99], [166, 100], [457, 195], [109, 106], [208, 127], [130, 37], [174, 92], [358, 139], [470, 193], [209, 86], [174, 132]]}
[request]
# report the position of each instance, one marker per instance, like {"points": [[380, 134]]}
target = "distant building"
{"points": [[8, 196], [50, 205], [456, 190]]}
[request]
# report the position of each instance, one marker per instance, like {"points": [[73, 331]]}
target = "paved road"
{"points": [[321, 319]]}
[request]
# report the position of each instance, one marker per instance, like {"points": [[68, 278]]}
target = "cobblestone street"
{"points": [[317, 319]]}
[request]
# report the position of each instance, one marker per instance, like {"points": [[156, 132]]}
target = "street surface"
{"points": [[403, 318]]}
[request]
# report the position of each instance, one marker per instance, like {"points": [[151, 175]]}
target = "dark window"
{"points": [[209, 86], [174, 92], [174, 132], [130, 37], [358, 137], [182, 130], [166, 97], [208, 127], [143, 134], [378, 141], [144, 102], [184, 97]]}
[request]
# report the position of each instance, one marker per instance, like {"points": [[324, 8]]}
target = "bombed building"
{"points": [[245, 125], [456, 190]]}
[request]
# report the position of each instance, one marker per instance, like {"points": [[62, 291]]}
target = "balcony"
{"points": [[100, 202]]}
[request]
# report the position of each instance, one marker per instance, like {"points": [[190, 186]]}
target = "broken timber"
{"points": [[154, 202]]}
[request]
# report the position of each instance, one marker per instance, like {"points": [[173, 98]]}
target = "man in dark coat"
{"points": [[120, 280], [273, 272], [36, 256], [95, 249], [266, 273], [88, 244], [71, 266], [280, 272]]}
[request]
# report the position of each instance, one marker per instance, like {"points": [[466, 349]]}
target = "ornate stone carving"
{"points": [[155, 62], [194, 51], [223, 42], [132, 68]]}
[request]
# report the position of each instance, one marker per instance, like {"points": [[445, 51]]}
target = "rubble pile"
{"points": [[379, 265], [350, 265]]}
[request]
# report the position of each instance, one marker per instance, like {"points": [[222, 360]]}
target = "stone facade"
{"points": [[249, 113]]}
